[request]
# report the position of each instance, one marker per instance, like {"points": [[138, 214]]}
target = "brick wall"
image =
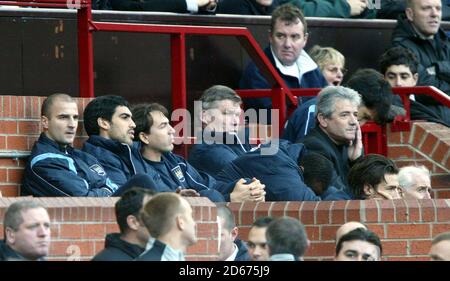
{"points": [[426, 144], [19, 128], [79, 226], [406, 227]]}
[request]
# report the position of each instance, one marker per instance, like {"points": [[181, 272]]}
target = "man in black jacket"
{"points": [[337, 135], [27, 232], [133, 237], [419, 31]]}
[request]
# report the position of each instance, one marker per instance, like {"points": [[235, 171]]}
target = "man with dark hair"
{"points": [[419, 31], [169, 220], [55, 168], [374, 177], [359, 245], [338, 135], [400, 68], [440, 247], [109, 124], [231, 248], [256, 241], [157, 136], [288, 35], [376, 95], [287, 239], [27, 232], [318, 172], [133, 237]]}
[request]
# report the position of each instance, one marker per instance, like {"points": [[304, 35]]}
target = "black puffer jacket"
{"points": [[117, 249], [430, 52]]}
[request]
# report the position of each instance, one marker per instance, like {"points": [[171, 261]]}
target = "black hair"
{"points": [[398, 56], [371, 170], [101, 107], [317, 171], [360, 234], [143, 119], [130, 203], [375, 91]]}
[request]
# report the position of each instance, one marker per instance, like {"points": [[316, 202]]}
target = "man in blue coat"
{"points": [[55, 168], [175, 173], [108, 122], [288, 35]]}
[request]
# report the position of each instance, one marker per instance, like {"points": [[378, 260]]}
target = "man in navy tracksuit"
{"points": [[157, 137], [55, 168], [280, 173], [288, 36], [108, 122]]}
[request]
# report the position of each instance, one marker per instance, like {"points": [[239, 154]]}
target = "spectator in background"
{"points": [[400, 68], [55, 168], [376, 95], [27, 232], [287, 239], [133, 237], [157, 136], [440, 247], [331, 62], [338, 135], [257, 241], [359, 245], [374, 177], [169, 220], [335, 8], [419, 31], [175, 6], [109, 124], [347, 227], [247, 7], [415, 182], [288, 35], [231, 248]]}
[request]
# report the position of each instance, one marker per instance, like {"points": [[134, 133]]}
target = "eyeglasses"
{"points": [[335, 70]]}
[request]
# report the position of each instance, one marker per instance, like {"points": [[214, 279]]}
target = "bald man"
{"points": [[347, 227]]}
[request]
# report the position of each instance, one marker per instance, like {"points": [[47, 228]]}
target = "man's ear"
{"points": [[44, 122], [409, 14], [103, 123], [132, 222], [368, 190], [10, 236], [322, 120], [180, 222], [416, 78], [234, 233], [306, 37], [143, 138]]}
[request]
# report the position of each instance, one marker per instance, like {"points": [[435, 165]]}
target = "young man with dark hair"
{"points": [[157, 137], [109, 124], [169, 220], [231, 248], [287, 239], [401, 69], [256, 241], [359, 245], [55, 168], [27, 232], [374, 177], [133, 237]]}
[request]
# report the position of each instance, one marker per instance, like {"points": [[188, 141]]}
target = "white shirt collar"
{"points": [[234, 254], [303, 65]]}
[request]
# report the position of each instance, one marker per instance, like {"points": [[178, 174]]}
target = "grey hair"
{"points": [[406, 175], [13, 215], [218, 93], [327, 98]]}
